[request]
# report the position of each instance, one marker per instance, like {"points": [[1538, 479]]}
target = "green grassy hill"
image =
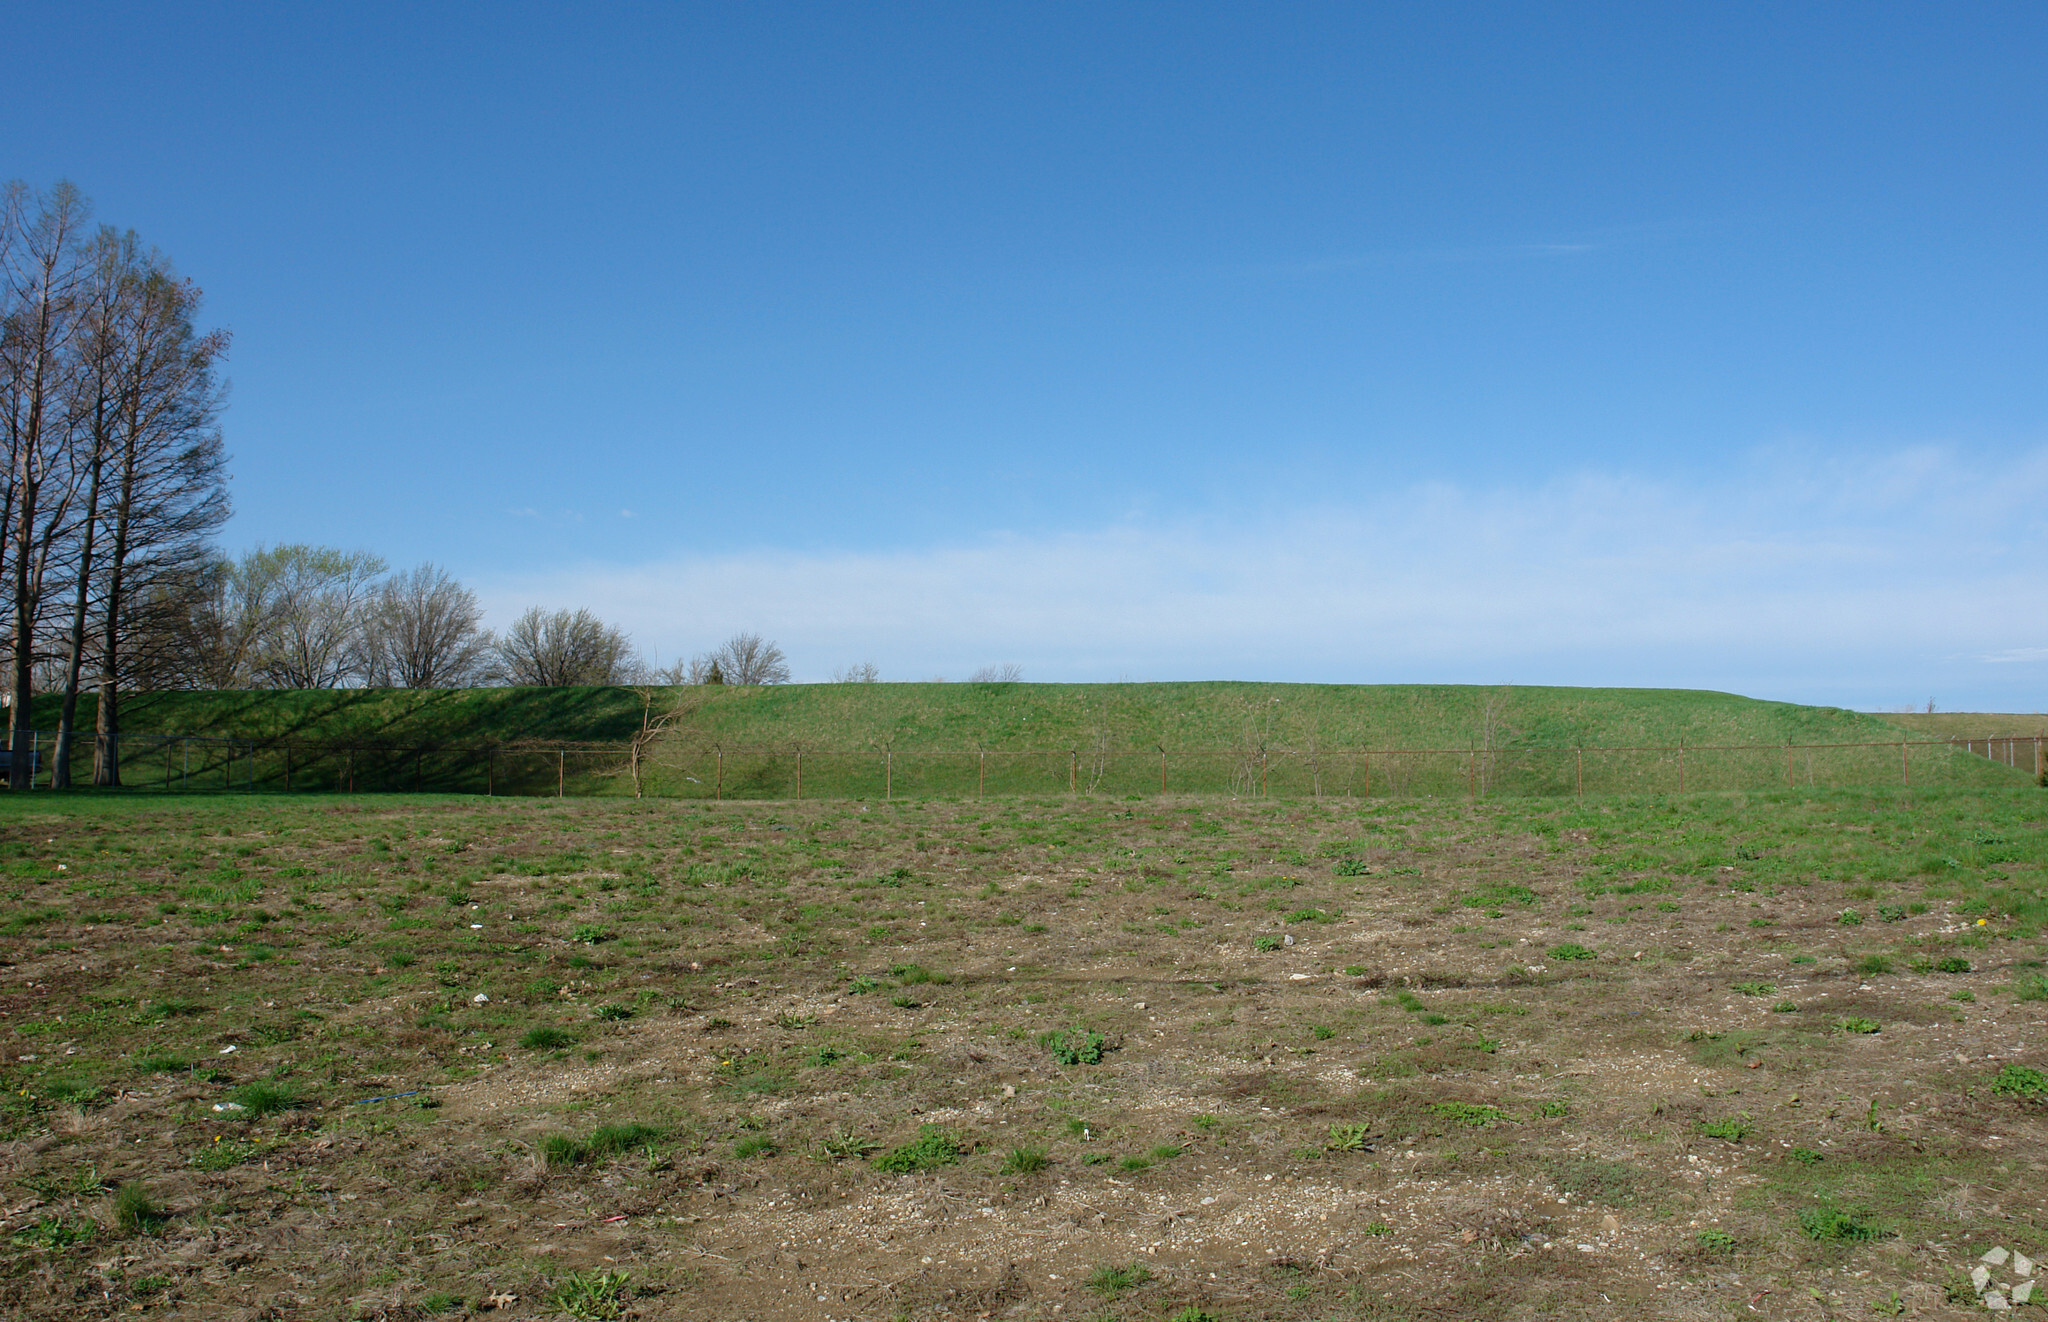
{"points": [[850, 717], [858, 740]]}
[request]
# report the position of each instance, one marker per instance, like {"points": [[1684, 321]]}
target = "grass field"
{"points": [[1967, 724], [1056, 717], [1032, 739], [1713, 1055]]}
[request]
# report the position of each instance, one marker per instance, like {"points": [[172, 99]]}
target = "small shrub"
{"points": [[1966, 997], [1193, 1313], [915, 975], [1377, 1229], [590, 934], [546, 1039], [1806, 1156], [932, 1149], [1075, 1046], [1571, 950], [1871, 966], [1785, 1007], [1308, 916], [1352, 867], [2030, 987], [1719, 1243], [754, 1145], [561, 1150], [1554, 1108], [1111, 1281], [1849, 918], [1323, 1032], [1858, 1024], [1891, 913], [614, 1013], [1756, 988], [862, 985], [440, 1301], [1266, 945], [1025, 1161], [1952, 964], [2022, 1081]]}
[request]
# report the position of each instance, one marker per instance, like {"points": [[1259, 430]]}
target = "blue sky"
{"points": [[1673, 344]]}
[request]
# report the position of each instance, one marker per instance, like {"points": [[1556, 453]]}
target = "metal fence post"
{"points": [[1162, 771], [718, 786], [981, 774], [1073, 771], [561, 771], [888, 773], [799, 773], [1681, 768], [1579, 772], [1905, 766]]}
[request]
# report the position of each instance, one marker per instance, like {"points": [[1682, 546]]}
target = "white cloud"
{"points": [[1851, 581]]}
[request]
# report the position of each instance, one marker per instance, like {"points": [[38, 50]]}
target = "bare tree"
{"points": [[167, 478], [748, 658], [43, 270], [316, 595], [423, 630], [860, 672], [552, 649], [1009, 672]]}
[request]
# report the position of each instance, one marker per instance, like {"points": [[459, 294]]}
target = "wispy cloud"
{"points": [[1866, 581]]}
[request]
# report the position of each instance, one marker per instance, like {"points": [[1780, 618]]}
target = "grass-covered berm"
{"points": [[1760, 1055], [943, 740]]}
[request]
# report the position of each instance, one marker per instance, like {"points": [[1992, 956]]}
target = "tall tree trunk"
{"points": [[60, 762]]}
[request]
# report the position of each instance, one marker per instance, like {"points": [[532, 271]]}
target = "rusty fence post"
{"points": [[1073, 771], [981, 773], [1905, 766], [799, 773], [1579, 771], [1681, 768], [718, 781]]}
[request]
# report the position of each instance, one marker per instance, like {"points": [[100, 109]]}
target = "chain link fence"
{"points": [[705, 771]]}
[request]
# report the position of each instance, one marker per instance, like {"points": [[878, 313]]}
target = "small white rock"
{"points": [[2022, 1264], [229, 1051], [1980, 1279], [2023, 1292], [1139, 1005], [480, 999], [228, 1106], [1286, 940], [1995, 1257], [1995, 1301]]}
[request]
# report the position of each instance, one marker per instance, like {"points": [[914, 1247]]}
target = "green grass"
{"points": [[1114, 1279], [1032, 729], [931, 1149]]}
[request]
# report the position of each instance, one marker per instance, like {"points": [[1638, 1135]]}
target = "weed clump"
{"points": [[1075, 1046], [546, 1039], [263, 1098], [134, 1211], [1570, 950], [1858, 1024], [591, 1296], [1829, 1223], [2021, 1081], [1733, 1129], [1025, 1161], [1111, 1281], [1471, 1114], [931, 1149]]}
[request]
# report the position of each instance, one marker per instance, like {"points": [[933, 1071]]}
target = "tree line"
{"points": [[310, 617], [116, 483]]}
